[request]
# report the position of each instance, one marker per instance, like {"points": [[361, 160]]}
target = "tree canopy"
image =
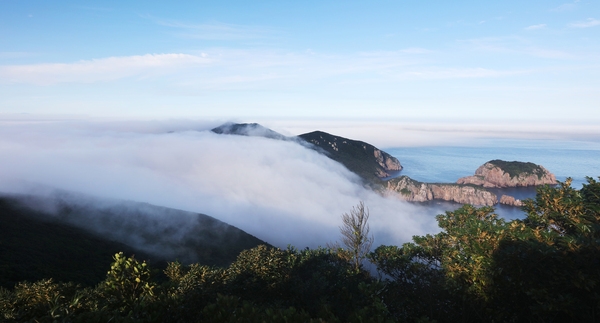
{"points": [[479, 267]]}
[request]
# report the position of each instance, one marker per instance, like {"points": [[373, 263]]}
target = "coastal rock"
{"points": [[387, 163], [499, 173], [408, 189], [509, 200]]}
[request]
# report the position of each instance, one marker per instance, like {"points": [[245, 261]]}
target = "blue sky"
{"points": [[532, 62]]}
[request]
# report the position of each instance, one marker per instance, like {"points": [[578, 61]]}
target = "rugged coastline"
{"points": [[407, 189], [377, 169]]}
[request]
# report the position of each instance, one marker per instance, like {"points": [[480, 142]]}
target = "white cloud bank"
{"points": [[216, 69], [97, 70], [279, 191]]}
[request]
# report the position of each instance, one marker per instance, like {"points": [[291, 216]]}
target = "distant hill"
{"points": [[248, 129], [365, 160], [362, 158], [75, 240]]}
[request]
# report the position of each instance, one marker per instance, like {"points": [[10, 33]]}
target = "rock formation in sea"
{"points": [[499, 173], [407, 189], [509, 200]]}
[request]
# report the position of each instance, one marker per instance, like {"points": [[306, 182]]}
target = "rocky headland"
{"points": [[407, 189], [362, 158], [499, 173]]}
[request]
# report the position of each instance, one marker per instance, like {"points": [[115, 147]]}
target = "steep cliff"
{"points": [[499, 173], [405, 188], [362, 158]]}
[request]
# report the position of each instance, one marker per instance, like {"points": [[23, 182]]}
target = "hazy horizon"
{"points": [[505, 62]]}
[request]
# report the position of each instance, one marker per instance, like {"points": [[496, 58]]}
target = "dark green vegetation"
{"points": [[34, 246], [357, 156], [514, 168], [479, 268], [76, 241]]}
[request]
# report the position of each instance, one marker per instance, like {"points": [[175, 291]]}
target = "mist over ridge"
{"points": [[278, 191]]}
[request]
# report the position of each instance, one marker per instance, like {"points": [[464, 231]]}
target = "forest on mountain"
{"points": [[479, 267]]}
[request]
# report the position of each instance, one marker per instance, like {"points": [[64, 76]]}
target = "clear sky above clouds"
{"points": [[527, 61]]}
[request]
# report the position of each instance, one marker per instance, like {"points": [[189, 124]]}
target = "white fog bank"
{"points": [[279, 191]]}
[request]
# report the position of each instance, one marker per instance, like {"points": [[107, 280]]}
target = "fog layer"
{"points": [[279, 191]]}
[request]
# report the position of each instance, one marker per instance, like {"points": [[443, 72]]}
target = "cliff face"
{"points": [[410, 190], [362, 158], [497, 173]]}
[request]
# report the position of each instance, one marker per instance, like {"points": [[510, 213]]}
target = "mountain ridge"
{"points": [[375, 167]]}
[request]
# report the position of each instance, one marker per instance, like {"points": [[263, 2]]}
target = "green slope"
{"points": [[357, 156]]}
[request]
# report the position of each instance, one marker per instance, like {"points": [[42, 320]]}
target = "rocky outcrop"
{"points": [[408, 189], [499, 173], [509, 200], [387, 162]]}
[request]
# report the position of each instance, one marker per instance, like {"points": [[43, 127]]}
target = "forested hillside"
{"points": [[74, 238], [479, 268]]}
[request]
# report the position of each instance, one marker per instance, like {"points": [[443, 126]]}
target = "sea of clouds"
{"points": [[279, 191]]}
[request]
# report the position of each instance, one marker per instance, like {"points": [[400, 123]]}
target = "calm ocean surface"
{"points": [[445, 164]]}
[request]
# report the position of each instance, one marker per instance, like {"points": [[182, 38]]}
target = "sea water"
{"points": [[446, 164]]}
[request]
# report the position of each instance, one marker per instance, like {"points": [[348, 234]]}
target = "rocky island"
{"points": [[499, 173]]}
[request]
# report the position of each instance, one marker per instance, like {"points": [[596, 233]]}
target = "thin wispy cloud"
{"points": [[11, 55], [536, 27], [416, 50], [459, 73], [517, 45], [590, 22], [548, 53], [91, 8], [243, 69], [564, 7], [97, 70], [214, 30]]}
